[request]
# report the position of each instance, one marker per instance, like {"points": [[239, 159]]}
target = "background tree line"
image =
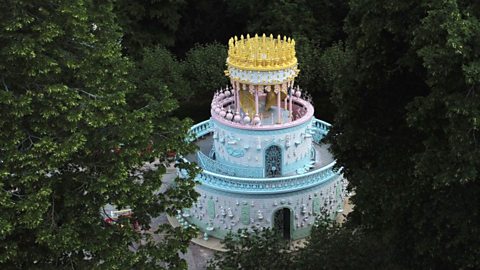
{"points": [[190, 37]]}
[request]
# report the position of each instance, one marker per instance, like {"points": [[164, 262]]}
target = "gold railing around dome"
{"points": [[261, 53]]}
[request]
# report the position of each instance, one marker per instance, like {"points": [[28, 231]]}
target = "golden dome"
{"points": [[261, 53]]}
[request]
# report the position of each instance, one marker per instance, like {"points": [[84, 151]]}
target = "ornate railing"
{"points": [[211, 165], [320, 129], [200, 129], [267, 185], [308, 114]]}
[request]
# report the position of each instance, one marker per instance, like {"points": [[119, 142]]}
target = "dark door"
{"points": [[273, 161], [282, 220]]}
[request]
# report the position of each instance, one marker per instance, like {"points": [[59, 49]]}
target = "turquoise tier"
{"points": [[235, 196], [263, 153]]}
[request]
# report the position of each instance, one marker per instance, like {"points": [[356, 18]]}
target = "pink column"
{"points": [[290, 111], [279, 105], [256, 101], [234, 97], [237, 100]]}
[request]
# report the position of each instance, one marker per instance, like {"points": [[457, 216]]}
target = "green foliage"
{"points": [[148, 23], [191, 81], [204, 68], [405, 129], [205, 21], [204, 71], [320, 71], [448, 167], [320, 20], [74, 135], [253, 250], [331, 246], [159, 67]]}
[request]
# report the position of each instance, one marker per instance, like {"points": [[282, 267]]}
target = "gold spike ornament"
{"points": [[261, 54]]}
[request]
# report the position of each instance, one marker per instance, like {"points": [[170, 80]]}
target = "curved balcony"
{"points": [[214, 166], [304, 108], [201, 129], [320, 129], [215, 175], [267, 185]]}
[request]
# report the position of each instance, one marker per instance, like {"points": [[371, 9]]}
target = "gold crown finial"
{"points": [[263, 54]]}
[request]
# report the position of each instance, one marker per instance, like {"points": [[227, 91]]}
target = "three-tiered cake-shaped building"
{"points": [[263, 164]]}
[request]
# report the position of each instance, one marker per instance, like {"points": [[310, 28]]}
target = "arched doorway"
{"points": [[273, 161], [282, 219]]}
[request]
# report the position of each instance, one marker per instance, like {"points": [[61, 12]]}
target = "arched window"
{"points": [[273, 161]]}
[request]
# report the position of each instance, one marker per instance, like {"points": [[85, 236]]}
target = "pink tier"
{"points": [[223, 101]]}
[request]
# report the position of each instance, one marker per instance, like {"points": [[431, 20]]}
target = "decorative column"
{"points": [[256, 118], [256, 101], [234, 97], [279, 93], [266, 63], [237, 117], [237, 100], [290, 109]]}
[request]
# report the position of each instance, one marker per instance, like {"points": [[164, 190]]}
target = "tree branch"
{"points": [[52, 224], [86, 93], [5, 85]]}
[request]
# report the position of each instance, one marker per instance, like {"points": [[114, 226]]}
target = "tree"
{"points": [[405, 129], [447, 169], [204, 67], [158, 66], [148, 23], [331, 246], [205, 22], [75, 134], [319, 70], [319, 20], [253, 250]]}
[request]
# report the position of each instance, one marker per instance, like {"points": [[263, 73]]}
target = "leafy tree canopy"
{"points": [[75, 131], [405, 129], [253, 249], [148, 23]]}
